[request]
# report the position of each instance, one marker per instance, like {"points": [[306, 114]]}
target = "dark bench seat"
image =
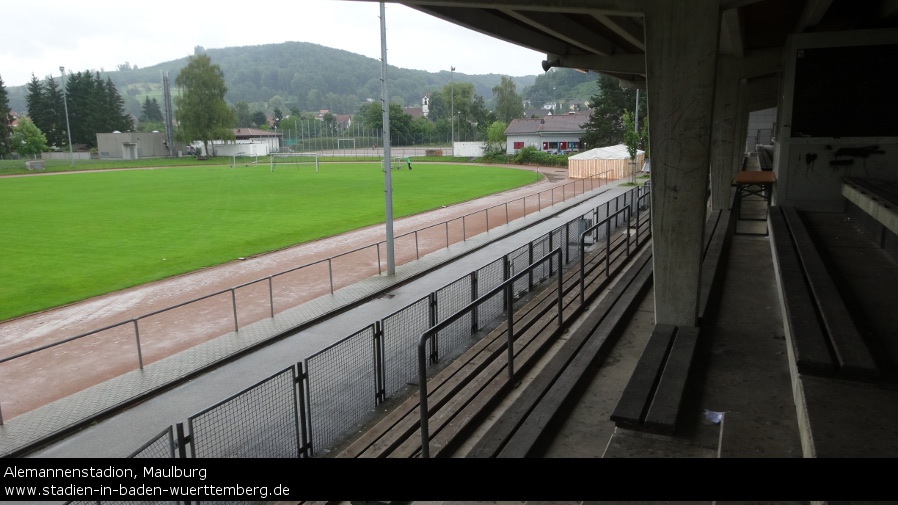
{"points": [[651, 399], [824, 338], [653, 396]]}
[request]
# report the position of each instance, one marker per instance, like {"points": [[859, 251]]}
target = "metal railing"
{"points": [[507, 288], [312, 269]]}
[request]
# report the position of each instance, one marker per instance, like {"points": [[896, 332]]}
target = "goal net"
{"points": [[398, 163], [287, 159], [244, 159]]}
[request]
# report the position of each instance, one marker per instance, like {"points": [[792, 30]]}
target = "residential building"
{"points": [[551, 133]]}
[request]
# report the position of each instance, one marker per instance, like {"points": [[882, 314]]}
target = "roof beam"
{"points": [[732, 26], [625, 28], [490, 24], [566, 30]]}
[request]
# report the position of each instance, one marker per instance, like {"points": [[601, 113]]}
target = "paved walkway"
{"points": [[302, 331]]}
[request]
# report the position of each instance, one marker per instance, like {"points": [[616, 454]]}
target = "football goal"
{"points": [[282, 159], [398, 163], [245, 159]]}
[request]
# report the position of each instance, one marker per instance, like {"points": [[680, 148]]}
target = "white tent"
{"points": [[612, 162]]}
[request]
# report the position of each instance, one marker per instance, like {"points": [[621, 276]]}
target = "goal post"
{"points": [[398, 163], [294, 159], [348, 141], [250, 159]]}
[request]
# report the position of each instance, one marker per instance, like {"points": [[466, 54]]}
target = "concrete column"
{"points": [[724, 140], [681, 61]]}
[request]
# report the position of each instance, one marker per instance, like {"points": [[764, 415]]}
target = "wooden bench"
{"points": [[652, 398], [465, 391], [824, 339], [765, 157], [520, 427], [719, 229]]}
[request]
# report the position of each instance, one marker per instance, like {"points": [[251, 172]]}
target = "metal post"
{"points": [[452, 110], [385, 111], [137, 339], [234, 302], [509, 295], [67, 128], [270, 296]]}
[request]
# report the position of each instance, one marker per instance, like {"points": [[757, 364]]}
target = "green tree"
{"points": [[278, 114], [113, 115], [401, 124], [509, 105], [635, 140], [47, 110], [27, 138], [606, 125], [202, 112], [243, 115], [95, 106], [151, 112], [5, 121], [259, 119], [495, 137]]}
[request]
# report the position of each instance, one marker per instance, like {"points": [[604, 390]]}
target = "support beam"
{"points": [[621, 63], [681, 62], [724, 142]]}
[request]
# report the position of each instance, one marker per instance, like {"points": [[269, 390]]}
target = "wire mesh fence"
{"points": [[308, 409], [341, 385], [262, 421]]}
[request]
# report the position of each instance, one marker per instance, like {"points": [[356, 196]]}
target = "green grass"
{"points": [[68, 237]]}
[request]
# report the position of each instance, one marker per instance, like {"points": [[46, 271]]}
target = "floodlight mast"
{"points": [[66, 104], [452, 110], [385, 111]]}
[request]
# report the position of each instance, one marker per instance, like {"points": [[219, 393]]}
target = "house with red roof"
{"points": [[552, 133]]}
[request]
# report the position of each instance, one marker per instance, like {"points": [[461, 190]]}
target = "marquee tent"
{"points": [[612, 162]]}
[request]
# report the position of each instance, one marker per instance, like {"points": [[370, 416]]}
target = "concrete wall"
{"points": [[809, 169], [131, 145], [468, 149], [240, 148], [64, 155]]}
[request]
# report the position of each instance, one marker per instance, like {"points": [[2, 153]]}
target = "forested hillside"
{"points": [[309, 77]]}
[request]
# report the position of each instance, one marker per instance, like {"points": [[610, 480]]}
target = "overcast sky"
{"points": [[40, 36]]}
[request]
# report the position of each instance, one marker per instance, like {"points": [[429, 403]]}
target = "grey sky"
{"points": [[40, 36]]}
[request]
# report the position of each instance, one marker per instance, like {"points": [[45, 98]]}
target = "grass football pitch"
{"points": [[71, 236]]}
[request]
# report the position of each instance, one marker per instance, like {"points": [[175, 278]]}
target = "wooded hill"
{"points": [[310, 77]]}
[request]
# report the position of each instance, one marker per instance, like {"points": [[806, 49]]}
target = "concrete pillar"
{"points": [[724, 140], [681, 62]]}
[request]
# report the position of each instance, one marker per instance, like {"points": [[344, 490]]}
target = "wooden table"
{"points": [[753, 182]]}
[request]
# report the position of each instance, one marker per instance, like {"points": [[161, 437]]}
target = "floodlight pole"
{"points": [[387, 166], [452, 110], [66, 104]]}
